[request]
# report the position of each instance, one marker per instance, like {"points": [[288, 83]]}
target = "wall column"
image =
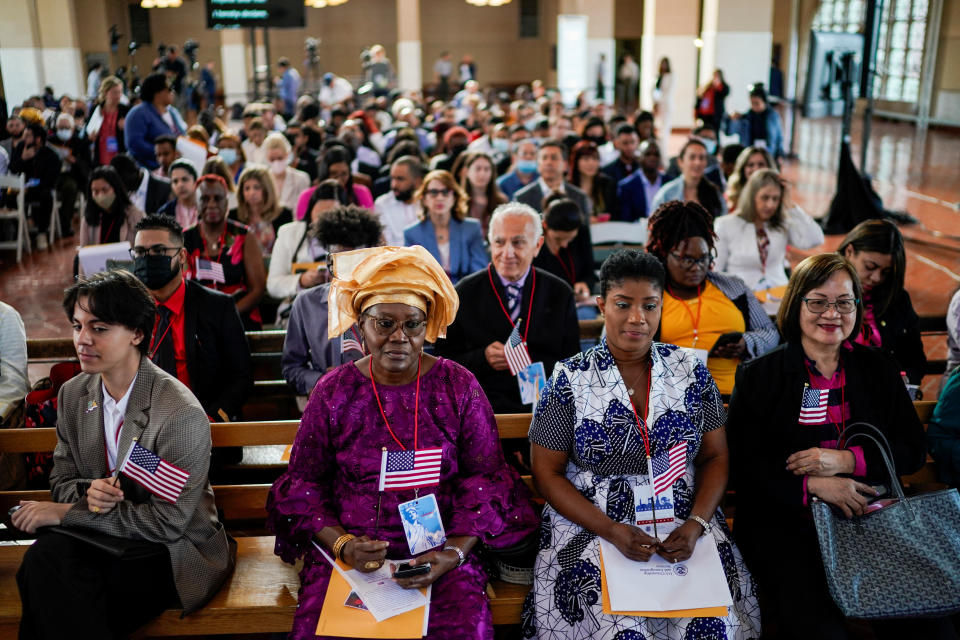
{"points": [[20, 58], [600, 40], [669, 30], [60, 48], [728, 31], [409, 64], [234, 62]]}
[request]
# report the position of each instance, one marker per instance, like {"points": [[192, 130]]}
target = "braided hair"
{"points": [[676, 221]]}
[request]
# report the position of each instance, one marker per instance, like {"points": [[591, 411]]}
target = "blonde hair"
{"points": [[738, 179], [105, 85], [218, 166], [761, 178], [271, 205], [276, 141]]}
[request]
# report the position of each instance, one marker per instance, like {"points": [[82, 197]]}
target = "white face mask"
{"points": [[64, 134], [277, 167]]}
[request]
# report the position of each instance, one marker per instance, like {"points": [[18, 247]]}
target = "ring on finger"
{"points": [[372, 564], [96, 509]]}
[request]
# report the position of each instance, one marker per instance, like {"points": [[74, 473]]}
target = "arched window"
{"points": [[901, 38]]}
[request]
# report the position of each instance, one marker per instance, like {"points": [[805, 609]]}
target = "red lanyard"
{"points": [[695, 322], [104, 238], [842, 425], [155, 345], [642, 426], [571, 273], [222, 241], [533, 288], [416, 408]]}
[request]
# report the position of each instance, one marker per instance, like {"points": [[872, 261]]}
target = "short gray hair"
{"points": [[516, 209]]}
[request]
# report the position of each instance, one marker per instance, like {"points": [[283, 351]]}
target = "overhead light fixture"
{"points": [[488, 3], [320, 4], [160, 4]]}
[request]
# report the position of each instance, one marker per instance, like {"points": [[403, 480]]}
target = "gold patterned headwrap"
{"points": [[379, 275]]}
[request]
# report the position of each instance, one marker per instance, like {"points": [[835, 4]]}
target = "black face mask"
{"points": [[597, 140], [154, 271], [403, 196], [457, 149]]}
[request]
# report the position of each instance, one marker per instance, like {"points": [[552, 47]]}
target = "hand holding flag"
{"points": [[153, 473], [515, 351]]}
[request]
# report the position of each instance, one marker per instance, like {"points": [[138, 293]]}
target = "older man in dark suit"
{"points": [[508, 291], [120, 403], [552, 167]]}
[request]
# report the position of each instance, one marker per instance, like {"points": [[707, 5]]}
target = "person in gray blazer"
{"points": [[116, 549], [552, 167]]}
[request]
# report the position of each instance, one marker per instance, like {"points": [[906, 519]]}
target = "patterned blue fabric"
{"points": [[585, 410]]}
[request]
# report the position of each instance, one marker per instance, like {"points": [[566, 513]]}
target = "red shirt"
{"points": [[107, 139], [175, 304]]}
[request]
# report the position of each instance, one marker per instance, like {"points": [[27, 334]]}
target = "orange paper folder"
{"points": [[704, 612], [337, 619]]}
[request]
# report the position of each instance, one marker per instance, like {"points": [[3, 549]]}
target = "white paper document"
{"points": [[93, 258], [659, 585], [383, 597]]}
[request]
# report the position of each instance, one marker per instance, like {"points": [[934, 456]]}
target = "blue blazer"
{"points": [[142, 126], [467, 253], [633, 197]]}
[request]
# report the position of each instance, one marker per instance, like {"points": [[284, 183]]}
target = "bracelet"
{"points": [[703, 523], [340, 543], [458, 551]]}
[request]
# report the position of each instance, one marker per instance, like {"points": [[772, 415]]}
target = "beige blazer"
{"points": [[165, 417], [90, 234]]}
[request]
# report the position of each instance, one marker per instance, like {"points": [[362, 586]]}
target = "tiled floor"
{"points": [[916, 173]]}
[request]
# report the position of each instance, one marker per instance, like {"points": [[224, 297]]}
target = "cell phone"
{"points": [[728, 338], [406, 570]]}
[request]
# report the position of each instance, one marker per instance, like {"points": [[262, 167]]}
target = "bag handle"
{"points": [[885, 453]]}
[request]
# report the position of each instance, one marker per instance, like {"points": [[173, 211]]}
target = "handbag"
{"points": [[899, 561]]}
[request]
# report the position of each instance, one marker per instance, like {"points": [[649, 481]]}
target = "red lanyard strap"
{"points": [[533, 289], [642, 426], [842, 425], [695, 322], [416, 407], [572, 272], [155, 345]]}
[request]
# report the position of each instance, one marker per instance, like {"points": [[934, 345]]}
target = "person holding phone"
{"points": [[714, 314], [397, 399], [602, 415], [786, 413]]}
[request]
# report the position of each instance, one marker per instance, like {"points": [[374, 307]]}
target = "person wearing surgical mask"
{"points": [[75, 163], [258, 206], [524, 170], [109, 215], [231, 151], [221, 375], [289, 182]]}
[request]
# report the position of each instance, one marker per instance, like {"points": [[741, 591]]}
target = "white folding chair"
{"points": [[619, 233], [55, 230], [19, 214]]}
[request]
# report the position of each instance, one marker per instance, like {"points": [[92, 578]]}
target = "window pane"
{"points": [[911, 89], [881, 56], [920, 9], [882, 36], [893, 88], [895, 63], [917, 31], [840, 13], [898, 40], [903, 10], [853, 27], [914, 62], [856, 12]]}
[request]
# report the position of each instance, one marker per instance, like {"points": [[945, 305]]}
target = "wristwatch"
{"points": [[703, 523]]}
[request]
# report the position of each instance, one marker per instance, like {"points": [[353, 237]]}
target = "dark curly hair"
{"points": [[114, 297], [348, 226], [630, 264], [155, 221], [674, 222]]}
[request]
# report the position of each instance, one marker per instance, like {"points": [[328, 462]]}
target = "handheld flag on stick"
{"points": [[515, 351], [154, 474]]}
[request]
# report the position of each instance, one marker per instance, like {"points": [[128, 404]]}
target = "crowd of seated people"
{"points": [[412, 248]]}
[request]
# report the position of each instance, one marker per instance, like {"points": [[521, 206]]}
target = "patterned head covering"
{"points": [[379, 275]]}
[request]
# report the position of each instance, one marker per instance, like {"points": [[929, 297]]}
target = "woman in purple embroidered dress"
{"points": [[397, 398]]}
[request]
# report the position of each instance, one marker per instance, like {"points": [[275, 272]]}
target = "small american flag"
{"points": [[410, 469], [670, 468], [210, 270], [813, 407], [153, 473], [350, 342], [515, 351]]}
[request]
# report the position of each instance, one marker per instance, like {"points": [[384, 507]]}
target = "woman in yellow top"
{"points": [[712, 313]]}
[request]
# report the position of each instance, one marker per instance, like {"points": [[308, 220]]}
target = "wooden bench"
{"points": [[260, 596]]}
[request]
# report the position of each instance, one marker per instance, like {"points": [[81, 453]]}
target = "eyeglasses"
{"points": [[386, 327], [687, 261], [819, 306], [436, 193], [155, 250]]}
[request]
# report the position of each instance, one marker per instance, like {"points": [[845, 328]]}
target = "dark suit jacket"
{"points": [[900, 337], [580, 252], [763, 431], [617, 171], [532, 195], [218, 356], [554, 331], [467, 253], [632, 197], [158, 194], [166, 419]]}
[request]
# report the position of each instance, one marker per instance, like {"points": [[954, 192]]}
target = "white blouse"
{"points": [[737, 251]]}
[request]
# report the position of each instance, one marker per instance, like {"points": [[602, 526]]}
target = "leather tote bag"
{"points": [[899, 561]]}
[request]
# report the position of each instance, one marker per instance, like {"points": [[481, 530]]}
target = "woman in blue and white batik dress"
{"points": [[588, 453]]}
